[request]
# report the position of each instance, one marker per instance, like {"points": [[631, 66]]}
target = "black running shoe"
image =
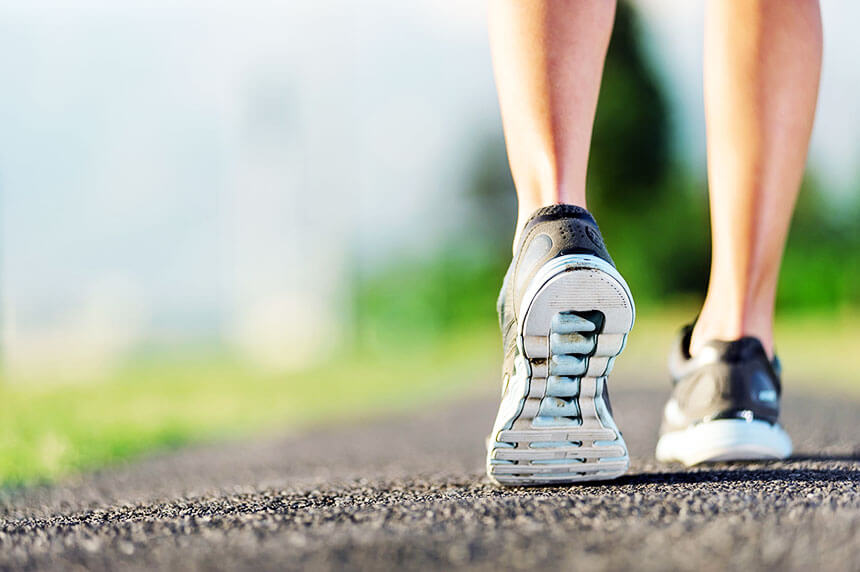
{"points": [[565, 313], [725, 404]]}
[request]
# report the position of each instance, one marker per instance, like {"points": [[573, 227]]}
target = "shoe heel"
{"points": [[574, 327]]}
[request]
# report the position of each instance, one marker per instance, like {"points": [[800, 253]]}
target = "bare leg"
{"points": [[548, 60], [762, 64]]}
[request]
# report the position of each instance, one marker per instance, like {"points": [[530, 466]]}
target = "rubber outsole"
{"points": [[724, 440], [553, 426]]}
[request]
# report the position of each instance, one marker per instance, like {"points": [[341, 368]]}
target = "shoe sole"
{"points": [[724, 440], [553, 425]]}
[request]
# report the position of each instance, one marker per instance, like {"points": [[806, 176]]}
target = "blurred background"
{"points": [[222, 218]]}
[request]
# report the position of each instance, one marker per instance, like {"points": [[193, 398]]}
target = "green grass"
{"points": [[49, 430]]}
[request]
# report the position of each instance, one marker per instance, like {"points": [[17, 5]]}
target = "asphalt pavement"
{"points": [[408, 492]]}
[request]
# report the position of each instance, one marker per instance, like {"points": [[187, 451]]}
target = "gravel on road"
{"points": [[408, 492]]}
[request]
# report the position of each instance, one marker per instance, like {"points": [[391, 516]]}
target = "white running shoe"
{"points": [[724, 406], [565, 313]]}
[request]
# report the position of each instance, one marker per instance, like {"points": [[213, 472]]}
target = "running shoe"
{"points": [[724, 404], [565, 313]]}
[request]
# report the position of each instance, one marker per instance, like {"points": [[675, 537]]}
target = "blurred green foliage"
{"points": [[821, 268], [416, 301], [630, 148], [164, 402], [652, 211]]}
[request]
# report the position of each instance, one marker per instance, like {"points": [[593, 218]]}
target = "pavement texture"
{"points": [[408, 492]]}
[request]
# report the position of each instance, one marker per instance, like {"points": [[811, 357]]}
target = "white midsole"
{"points": [[724, 440], [570, 262]]}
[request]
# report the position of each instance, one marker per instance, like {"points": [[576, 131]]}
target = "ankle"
{"points": [[728, 326]]}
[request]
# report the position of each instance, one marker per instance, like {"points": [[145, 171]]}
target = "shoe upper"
{"points": [[725, 380], [551, 231]]}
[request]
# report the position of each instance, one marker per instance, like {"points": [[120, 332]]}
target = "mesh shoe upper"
{"points": [[725, 380]]}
